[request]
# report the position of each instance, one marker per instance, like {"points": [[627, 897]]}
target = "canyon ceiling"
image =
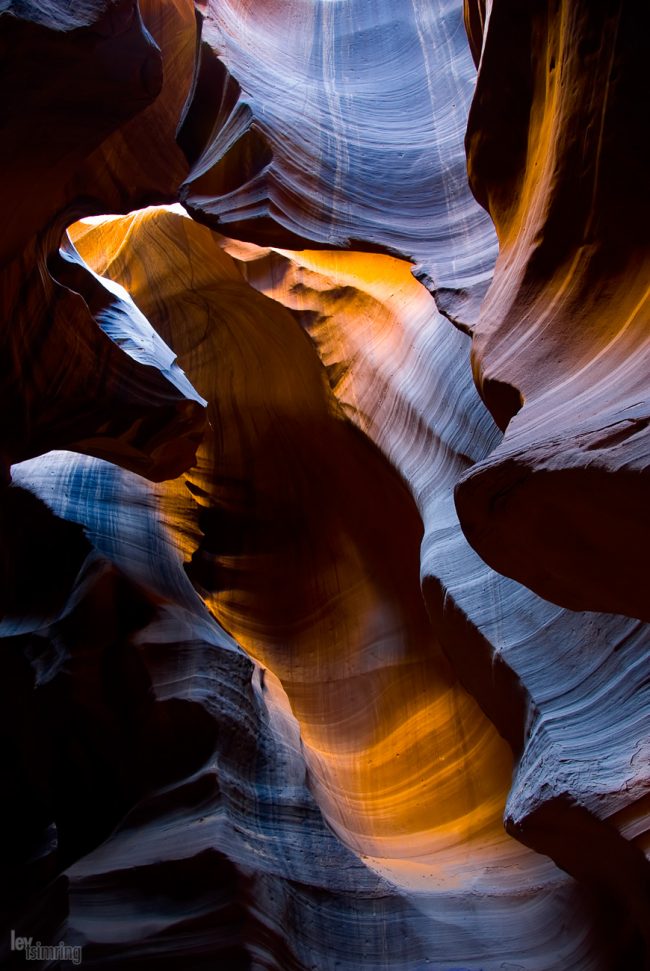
{"points": [[325, 496]]}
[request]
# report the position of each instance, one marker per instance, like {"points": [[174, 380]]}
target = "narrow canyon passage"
{"points": [[324, 485], [310, 559]]}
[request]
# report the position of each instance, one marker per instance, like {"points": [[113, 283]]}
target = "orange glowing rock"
{"points": [[67, 382], [310, 557], [562, 349], [304, 544], [262, 702]]}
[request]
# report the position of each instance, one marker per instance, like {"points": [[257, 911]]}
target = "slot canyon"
{"points": [[325, 496]]}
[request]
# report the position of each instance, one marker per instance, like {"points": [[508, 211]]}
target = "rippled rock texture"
{"points": [[341, 124], [561, 352], [80, 367], [264, 706]]}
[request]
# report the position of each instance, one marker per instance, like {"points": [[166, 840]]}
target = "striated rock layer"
{"points": [[300, 561], [190, 777], [558, 154], [369, 734], [233, 729], [341, 124], [81, 367], [538, 671]]}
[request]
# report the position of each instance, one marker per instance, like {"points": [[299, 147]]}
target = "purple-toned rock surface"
{"points": [[562, 349], [263, 704]]}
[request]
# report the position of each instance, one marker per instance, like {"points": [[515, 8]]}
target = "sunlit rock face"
{"points": [[341, 124], [263, 704], [111, 390], [500, 638], [561, 354], [405, 767], [173, 768], [300, 560]]}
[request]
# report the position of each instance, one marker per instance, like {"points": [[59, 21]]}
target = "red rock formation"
{"points": [[67, 382], [58, 66], [301, 564], [360, 148], [271, 509], [233, 728], [558, 156], [397, 362]]}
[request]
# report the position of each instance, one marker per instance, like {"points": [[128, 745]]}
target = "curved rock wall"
{"points": [[345, 130], [67, 382], [561, 351], [263, 704]]}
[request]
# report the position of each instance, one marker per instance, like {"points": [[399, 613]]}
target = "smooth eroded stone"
{"points": [[167, 770], [538, 671], [73, 77], [559, 155], [341, 124], [82, 368], [308, 553]]}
